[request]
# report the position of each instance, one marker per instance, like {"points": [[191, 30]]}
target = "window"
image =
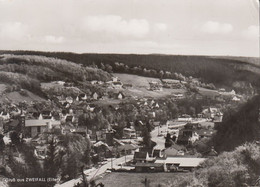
{"points": [[38, 129]]}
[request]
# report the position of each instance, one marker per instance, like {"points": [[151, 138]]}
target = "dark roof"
{"points": [[65, 104], [192, 125], [182, 138], [69, 118], [31, 110], [4, 113], [177, 147], [140, 155], [123, 95], [13, 123], [149, 150], [156, 153], [92, 105], [82, 95], [117, 83], [46, 112], [126, 147], [149, 165], [47, 117], [205, 132]]}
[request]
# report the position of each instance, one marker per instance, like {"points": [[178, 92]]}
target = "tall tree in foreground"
{"points": [[52, 161], [146, 137], [239, 126]]}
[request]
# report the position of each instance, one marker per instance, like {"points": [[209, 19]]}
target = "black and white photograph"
{"points": [[129, 93]]}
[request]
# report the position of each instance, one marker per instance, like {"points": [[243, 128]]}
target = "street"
{"points": [[159, 140], [162, 131]]}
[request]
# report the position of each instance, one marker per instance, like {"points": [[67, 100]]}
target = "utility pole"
{"points": [[85, 183], [125, 156], [112, 162]]}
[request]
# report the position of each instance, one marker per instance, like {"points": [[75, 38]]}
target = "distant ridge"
{"points": [[219, 70]]}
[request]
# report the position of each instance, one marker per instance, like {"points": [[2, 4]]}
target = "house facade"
{"points": [[129, 133], [33, 127]]}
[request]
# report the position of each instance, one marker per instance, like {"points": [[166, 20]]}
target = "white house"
{"points": [[95, 96], [129, 133], [69, 99], [235, 98], [184, 118], [114, 79], [37, 126], [120, 95], [117, 85], [5, 115]]}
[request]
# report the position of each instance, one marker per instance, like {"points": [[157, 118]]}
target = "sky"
{"points": [[179, 27]]}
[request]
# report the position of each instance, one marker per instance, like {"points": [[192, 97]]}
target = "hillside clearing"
{"points": [[141, 85], [135, 80], [16, 97]]}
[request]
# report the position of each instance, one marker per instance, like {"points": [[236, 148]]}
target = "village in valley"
{"points": [[128, 123]]}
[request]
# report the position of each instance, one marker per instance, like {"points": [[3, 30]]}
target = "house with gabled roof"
{"points": [[129, 133], [70, 119], [117, 85], [187, 163], [69, 100], [126, 149], [91, 107], [120, 95], [205, 132], [187, 136], [149, 150], [11, 125], [5, 115], [157, 153], [37, 126], [82, 97], [46, 114], [95, 96], [155, 105], [175, 150], [141, 156]]}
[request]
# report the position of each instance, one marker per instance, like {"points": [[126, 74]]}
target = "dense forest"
{"points": [[221, 71]]}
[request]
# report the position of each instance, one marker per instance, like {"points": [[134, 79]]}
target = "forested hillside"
{"points": [[240, 167], [239, 126], [239, 134], [222, 71], [28, 71]]}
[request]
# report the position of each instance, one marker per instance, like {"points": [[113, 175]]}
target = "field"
{"points": [[136, 179], [16, 97], [135, 80], [2, 88], [141, 85]]}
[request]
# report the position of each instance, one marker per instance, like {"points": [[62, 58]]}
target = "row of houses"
{"points": [[155, 86], [84, 98], [189, 133], [158, 160]]}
